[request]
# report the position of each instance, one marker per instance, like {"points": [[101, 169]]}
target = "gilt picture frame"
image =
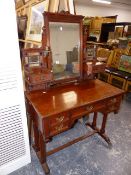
{"points": [[36, 22], [125, 63]]}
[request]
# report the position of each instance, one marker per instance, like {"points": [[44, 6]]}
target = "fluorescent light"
{"points": [[102, 1]]}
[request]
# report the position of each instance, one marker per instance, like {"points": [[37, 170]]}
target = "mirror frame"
{"points": [[64, 18]]}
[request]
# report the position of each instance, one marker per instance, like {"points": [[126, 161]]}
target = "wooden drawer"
{"points": [[59, 127], [114, 100], [76, 113], [59, 123], [59, 118], [113, 104]]}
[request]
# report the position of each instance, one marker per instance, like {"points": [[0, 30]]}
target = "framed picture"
{"points": [[90, 52], [22, 24], [33, 57], [36, 21], [19, 3], [125, 63], [53, 5]]}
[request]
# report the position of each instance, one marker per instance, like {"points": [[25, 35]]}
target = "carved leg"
{"points": [[43, 154], [36, 138], [94, 120]]}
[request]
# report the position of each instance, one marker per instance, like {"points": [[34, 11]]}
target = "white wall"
{"points": [[14, 141], [123, 15]]}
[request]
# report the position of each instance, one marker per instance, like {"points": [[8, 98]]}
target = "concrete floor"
{"points": [[91, 156]]}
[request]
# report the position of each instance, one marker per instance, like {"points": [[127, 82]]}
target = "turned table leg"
{"points": [[103, 126], [94, 120], [102, 130], [42, 154]]}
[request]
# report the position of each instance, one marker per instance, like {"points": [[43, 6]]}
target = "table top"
{"points": [[68, 97]]}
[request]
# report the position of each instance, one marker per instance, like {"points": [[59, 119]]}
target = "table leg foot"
{"points": [[103, 135], [46, 168], [107, 139], [48, 140]]}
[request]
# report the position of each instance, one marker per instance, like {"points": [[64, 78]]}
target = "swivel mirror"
{"points": [[64, 38], [65, 46]]}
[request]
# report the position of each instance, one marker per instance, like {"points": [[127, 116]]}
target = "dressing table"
{"points": [[67, 96]]}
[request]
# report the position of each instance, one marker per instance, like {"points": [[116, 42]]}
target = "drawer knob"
{"points": [[60, 119], [89, 108], [59, 128]]}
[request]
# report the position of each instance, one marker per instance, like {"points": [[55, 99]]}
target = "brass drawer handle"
{"points": [[59, 128], [60, 119], [89, 108]]}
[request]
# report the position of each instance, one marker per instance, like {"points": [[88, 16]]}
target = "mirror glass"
{"points": [[65, 47]]}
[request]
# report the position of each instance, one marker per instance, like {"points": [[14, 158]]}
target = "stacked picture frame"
{"points": [[34, 12]]}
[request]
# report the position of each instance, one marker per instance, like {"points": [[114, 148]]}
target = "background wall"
{"points": [[123, 14]]}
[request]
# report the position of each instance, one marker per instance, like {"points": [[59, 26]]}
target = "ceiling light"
{"points": [[102, 1]]}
